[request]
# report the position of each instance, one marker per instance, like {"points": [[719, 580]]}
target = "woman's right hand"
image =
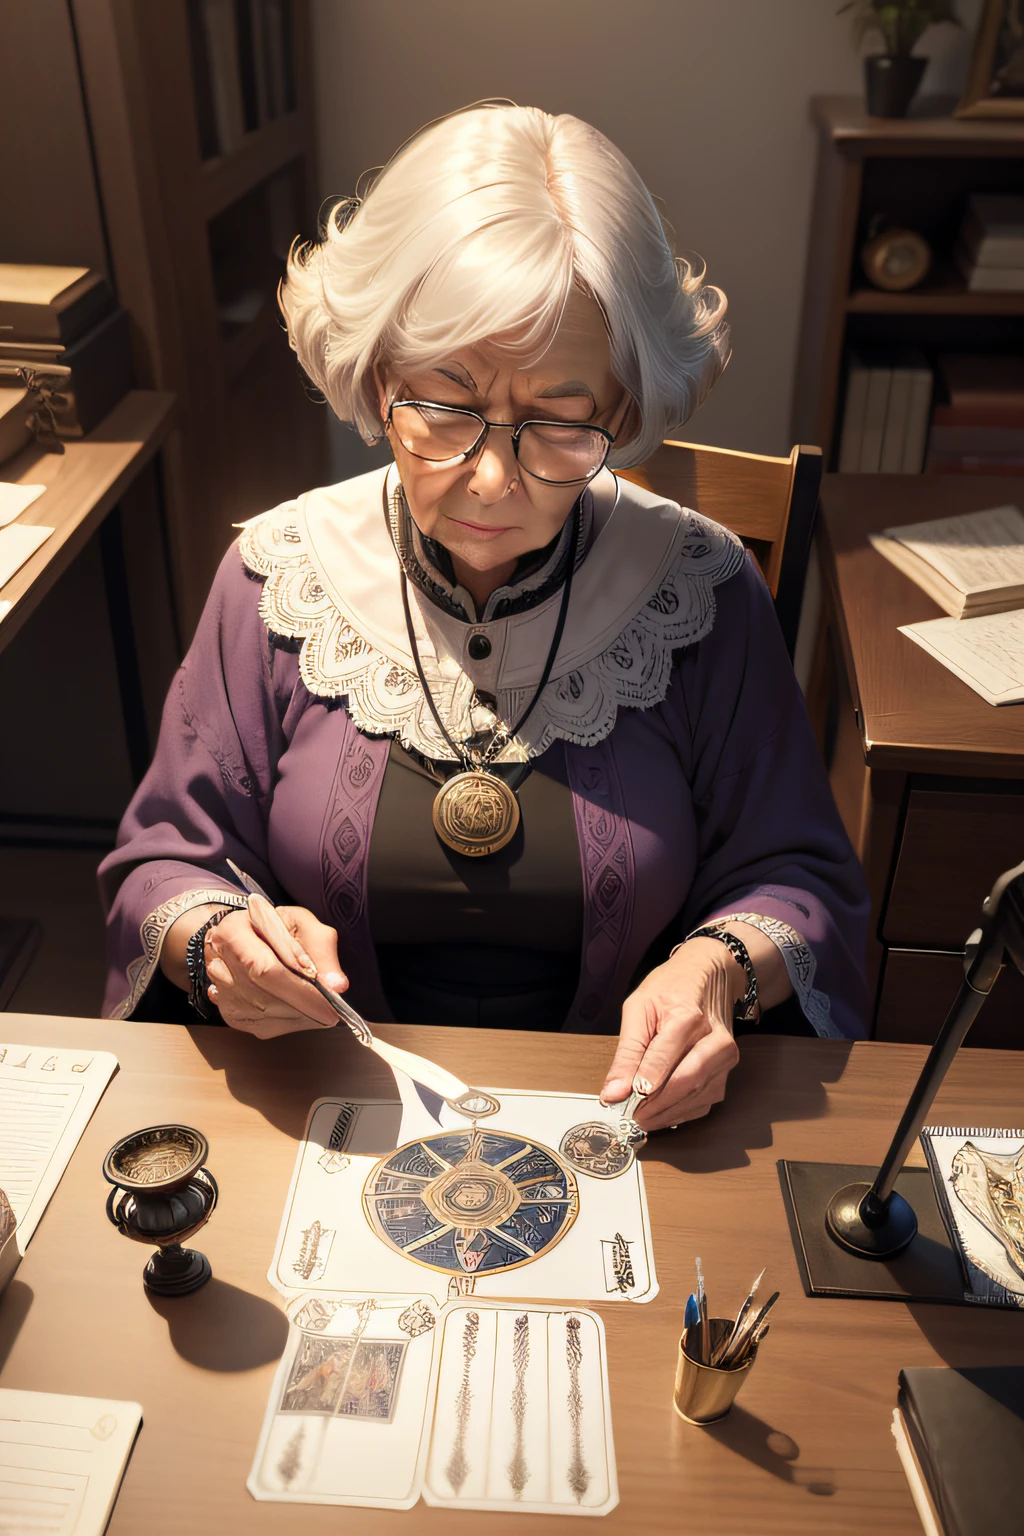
{"points": [[248, 981]]}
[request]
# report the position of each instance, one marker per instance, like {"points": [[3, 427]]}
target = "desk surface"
{"points": [[806, 1450], [915, 716], [82, 484]]}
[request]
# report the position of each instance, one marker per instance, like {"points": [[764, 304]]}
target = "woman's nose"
{"points": [[494, 468]]}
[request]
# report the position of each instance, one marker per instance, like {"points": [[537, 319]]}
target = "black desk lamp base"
{"points": [[927, 1268], [865, 1226]]}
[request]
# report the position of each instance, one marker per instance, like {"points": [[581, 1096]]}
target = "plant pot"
{"points": [[890, 81]]}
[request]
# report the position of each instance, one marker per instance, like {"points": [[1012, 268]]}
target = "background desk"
{"points": [[807, 1450], [929, 778]]}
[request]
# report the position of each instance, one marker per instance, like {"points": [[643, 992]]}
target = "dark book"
{"points": [[965, 1430], [247, 65], [36, 306], [202, 84], [973, 380], [86, 380]]}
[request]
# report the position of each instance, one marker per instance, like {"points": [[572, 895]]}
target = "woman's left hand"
{"points": [[676, 1035]]}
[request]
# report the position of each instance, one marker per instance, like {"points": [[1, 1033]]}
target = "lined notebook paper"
{"points": [[61, 1462], [46, 1099]]}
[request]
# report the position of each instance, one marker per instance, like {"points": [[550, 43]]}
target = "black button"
{"points": [[479, 647]]}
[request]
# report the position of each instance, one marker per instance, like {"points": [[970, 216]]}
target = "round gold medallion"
{"points": [[475, 813]]}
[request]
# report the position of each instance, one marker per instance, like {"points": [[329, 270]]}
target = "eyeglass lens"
{"points": [[560, 452]]}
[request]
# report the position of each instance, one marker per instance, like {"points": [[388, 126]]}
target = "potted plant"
{"points": [[892, 77]]}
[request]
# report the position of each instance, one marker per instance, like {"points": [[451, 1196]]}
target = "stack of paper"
{"points": [[61, 1462], [46, 1099]]}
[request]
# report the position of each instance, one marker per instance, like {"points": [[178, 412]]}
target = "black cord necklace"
{"points": [[475, 811]]}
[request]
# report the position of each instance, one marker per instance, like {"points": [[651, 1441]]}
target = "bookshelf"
{"points": [[202, 124], [917, 172]]}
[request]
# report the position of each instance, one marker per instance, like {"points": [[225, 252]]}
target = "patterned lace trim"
{"points": [[800, 966], [153, 932], [384, 697]]}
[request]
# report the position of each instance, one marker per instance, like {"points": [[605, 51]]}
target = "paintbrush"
{"points": [[691, 1317], [438, 1082], [723, 1349], [702, 1307], [750, 1328]]}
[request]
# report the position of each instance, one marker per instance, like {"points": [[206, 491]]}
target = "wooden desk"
{"points": [[928, 777], [807, 1450], [83, 485]]}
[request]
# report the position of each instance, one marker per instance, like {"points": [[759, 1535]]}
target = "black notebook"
{"points": [[965, 1430]]}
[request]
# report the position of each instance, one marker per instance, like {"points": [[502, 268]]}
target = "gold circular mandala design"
{"points": [[475, 813]]}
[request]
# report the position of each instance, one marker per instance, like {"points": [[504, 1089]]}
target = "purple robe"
{"points": [[713, 802]]}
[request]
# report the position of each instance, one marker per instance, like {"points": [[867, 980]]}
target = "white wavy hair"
{"points": [[476, 230]]}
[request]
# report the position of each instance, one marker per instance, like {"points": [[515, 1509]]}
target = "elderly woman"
{"points": [[499, 730]]}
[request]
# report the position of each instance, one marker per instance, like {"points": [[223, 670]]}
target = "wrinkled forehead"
{"points": [[577, 352]]}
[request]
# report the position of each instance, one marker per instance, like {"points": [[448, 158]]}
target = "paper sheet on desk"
{"points": [[46, 1099], [61, 1461], [17, 544], [14, 499], [985, 653]]}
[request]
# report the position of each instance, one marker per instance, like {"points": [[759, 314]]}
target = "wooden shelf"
{"points": [[931, 130], [257, 158], [941, 299], [82, 484]]}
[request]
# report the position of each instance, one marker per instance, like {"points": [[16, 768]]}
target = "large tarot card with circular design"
{"points": [[539, 1199]]}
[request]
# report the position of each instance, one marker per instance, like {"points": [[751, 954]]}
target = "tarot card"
{"points": [[978, 1174], [522, 1414], [502, 1207], [345, 1422]]}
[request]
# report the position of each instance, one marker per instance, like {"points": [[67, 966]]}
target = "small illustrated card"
{"points": [[537, 1200], [978, 1173], [347, 1411], [380, 1399], [46, 1099], [522, 1416], [61, 1462]]}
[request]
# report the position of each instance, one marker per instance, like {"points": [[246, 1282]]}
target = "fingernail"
{"points": [[642, 1085], [212, 994], [305, 962], [612, 1092], [335, 980]]}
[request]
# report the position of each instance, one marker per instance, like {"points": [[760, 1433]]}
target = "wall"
{"points": [[709, 101]]}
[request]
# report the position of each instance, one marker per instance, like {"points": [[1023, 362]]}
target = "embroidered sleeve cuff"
{"points": [[800, 964], [153, 932]]}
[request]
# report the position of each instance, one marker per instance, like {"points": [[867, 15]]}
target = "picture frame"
{"points": [[995, 80]]}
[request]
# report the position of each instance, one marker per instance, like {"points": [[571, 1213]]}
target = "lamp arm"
{"points": [[1001, 931]]}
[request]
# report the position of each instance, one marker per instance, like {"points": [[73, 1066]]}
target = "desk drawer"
{"points": [[953, 847], [918, 988]]}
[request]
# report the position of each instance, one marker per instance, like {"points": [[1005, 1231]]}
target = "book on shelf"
{"points": [[981, 279], [242, 76], [992, 234], [959, 1434], [981, 429], [970, 564], [83, 381], [990, 250], [50, 303], [885, 420]]}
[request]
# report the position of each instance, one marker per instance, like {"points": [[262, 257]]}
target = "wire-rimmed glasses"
{"points": [[557, 452]]}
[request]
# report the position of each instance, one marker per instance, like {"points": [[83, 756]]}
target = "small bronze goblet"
{"points": [[162, 1194]]}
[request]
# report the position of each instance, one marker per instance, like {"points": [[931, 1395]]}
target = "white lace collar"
{"points": [[645, 588]]}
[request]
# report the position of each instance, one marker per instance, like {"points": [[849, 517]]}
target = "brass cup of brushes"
{"points": [[704, 1393]]}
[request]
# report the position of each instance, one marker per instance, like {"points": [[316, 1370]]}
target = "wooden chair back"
{"points": [[770, 503]]}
